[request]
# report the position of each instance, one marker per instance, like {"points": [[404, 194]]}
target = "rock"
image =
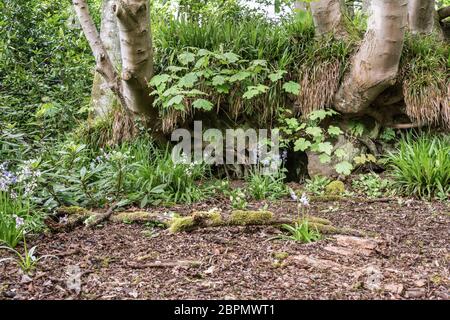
{"points": [[351, 148]]}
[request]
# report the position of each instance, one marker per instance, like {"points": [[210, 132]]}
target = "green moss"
{"points": [[135, 216], [280, 256], [181, 224], [242, 218], [209, 218], [73, 210], [335, 188]]}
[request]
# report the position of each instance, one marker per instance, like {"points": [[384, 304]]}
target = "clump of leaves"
{"points": [[301, 232], [308, 135], [317, 184], [421, 166], [371, 185]]}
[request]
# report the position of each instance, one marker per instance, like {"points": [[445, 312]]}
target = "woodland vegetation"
{"points": [[91, 91]]}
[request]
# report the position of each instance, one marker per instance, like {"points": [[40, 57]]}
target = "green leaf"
{"points": [[314, 131], [158, 79], [344, 168], [274, 77], [317, 115], [301, 144], [325, 147], [186, 58], [334, 131], [324, 158], [188, 80], [218, 80], [292, 87], [340, 153], [175, 100], [231, 57], [203, 62], [202, 104], [253, 91], [175, 69], [241, 75]]}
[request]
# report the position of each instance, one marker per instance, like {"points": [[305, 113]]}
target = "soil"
{"points": [[405, 257]]}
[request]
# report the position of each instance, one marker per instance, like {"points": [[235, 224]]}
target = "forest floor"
{"points": [[406, 257]]}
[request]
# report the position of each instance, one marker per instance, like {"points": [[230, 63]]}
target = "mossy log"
{"points": [[199, 219]]}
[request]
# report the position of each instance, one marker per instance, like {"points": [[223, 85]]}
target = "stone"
{"points": [[351, 148]]}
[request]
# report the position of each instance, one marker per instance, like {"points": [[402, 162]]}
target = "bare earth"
{"points": [[405, 257]]}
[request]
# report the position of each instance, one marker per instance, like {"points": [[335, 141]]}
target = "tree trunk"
{"points": [[328, 17], [104, 64], [421, 16], [137, 53], [102, 98], [375, 65]]}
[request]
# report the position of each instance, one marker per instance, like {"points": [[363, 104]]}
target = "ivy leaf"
{"points": [[292, 87], [334, 131], [344, 168], [325, 147], [202, 104], [274, 77], [188, 80], [218, 80], [175, 100], [340, 153], [314, 131], [324, 158], [186, 58], [241, 75], [301, 144]]}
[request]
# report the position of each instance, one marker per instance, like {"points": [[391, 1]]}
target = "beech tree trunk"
{"points": [[136, 52], [421, 16], [102, 98], [328, 17], [375, 65], [133, 18]]}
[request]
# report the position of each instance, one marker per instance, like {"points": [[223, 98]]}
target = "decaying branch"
{"points": [[444, 13]]}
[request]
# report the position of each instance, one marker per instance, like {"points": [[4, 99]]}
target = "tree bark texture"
{"points": [[375, 65]]}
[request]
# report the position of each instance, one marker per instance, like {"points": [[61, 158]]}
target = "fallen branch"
{"points": [[444, 13]]}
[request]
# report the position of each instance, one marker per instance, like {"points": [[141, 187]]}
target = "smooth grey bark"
{"points": [[375, 65], [103, 99], [421, 16], [133, 18], [328, 16], [104, 65]]}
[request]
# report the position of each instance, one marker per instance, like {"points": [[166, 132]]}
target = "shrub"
{"points": [[421, 166], [371, 185]]}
